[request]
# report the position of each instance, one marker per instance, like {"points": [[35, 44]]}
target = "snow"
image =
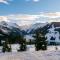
{"points": [[8, 24], [50, 54], [28, 37], [12, 24], [5, 31], [35, 26], [53, 33], [15, 47], [36, 55], [30, 47]]}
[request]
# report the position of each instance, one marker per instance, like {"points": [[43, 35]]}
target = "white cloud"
{"points": [[3, 18], [5, 1], [51, 15], [22, 19], [33, 0], [26, 19], [36, 0]]}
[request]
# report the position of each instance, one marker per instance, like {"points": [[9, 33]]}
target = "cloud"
{"points": [[3, 18], [51, 15], [36, 0], [22, 19], [5, 1], [27, 19], [33, 0]]}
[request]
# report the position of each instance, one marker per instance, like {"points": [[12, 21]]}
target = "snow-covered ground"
{"points": [[30, 48], [31, 54], [36, 55], [50, 54]]}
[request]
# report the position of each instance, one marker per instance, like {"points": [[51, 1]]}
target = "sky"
{"points": [[27, 12]]}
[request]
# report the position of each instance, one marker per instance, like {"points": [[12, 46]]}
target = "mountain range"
{"points": [[7, 27]]}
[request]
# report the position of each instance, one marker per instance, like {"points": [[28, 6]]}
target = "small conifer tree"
{"points": [[22, 43], [40, 42]]}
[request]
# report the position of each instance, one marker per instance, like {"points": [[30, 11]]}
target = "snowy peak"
{"points": [[7, 27], [8, 24], [3, 23], [36, 26]]}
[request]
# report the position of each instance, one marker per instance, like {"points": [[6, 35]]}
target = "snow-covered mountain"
{"points": [[7, 27], [27, 31], [32, 26], [44, 28], [36, 26], [8, 24]]}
